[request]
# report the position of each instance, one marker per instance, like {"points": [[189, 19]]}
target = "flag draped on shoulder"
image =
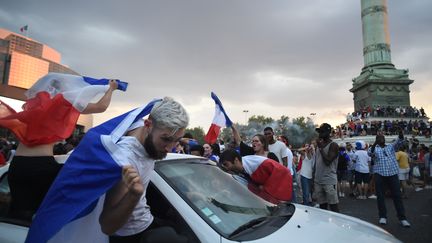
{"points": [[220, 120], [52, 108], [275, 179], [70, 211]]}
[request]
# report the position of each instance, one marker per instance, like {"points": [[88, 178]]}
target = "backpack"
{"points": [[343, 159]]}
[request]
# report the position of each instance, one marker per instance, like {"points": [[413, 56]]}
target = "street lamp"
{"points": [[313, 114], [246, 111]]}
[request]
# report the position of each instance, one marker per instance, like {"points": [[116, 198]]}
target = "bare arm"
{"points": [[331, 155], [236, 135], [120, 201], [104, 102]]}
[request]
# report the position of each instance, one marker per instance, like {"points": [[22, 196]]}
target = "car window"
{"points": [[214, 194]]}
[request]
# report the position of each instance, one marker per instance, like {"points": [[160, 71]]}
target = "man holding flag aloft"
{"points": [[220, 120]]}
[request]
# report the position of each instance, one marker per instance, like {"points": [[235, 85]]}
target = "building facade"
{"points": [[23, 61]]}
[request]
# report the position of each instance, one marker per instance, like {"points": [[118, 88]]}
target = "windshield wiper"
{"points": [[280, 211], [239, 209], [248, 225]]}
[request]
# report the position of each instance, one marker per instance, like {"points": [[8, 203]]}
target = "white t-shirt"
{"points": [[290, 157], [279, 149], [133, 153], [307, 166], [362, 161], [351, 164]]}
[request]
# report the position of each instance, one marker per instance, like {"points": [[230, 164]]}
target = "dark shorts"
{"points": [[342, 175], [362, 177], [350, 175], [29, 180]]}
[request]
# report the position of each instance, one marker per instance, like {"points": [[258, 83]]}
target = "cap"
{"points": [[360, 144], [325, 127]]}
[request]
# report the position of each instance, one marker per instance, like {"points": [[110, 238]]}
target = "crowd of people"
{"points": [[388, 111], [321, 172], [354, 128]]}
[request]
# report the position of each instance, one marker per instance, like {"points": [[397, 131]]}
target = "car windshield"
{"points": [[215, 195]]}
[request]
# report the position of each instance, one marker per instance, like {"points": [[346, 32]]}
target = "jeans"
{"points": [[392, 182], [306, 188], [294, 185]]}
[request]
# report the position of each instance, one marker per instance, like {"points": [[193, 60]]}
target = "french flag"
{"points": [[220, 120], [70, 211], [53, 106], [276, 179]]}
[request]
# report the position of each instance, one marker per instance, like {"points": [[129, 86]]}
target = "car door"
{"points": [[165, 203]]}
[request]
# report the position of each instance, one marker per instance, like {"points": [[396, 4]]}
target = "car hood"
{"points": [[310, 224]]}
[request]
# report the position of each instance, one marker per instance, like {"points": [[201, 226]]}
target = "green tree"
{"points": [[262, 120], [197, 133]]}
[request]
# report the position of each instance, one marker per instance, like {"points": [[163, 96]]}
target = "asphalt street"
{"points": [[418, 207]]}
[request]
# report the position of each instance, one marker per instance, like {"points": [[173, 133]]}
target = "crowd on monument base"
{"points": [[360, 127], [388, 111]]}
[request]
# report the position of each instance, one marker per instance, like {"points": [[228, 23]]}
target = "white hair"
{"points": [[170, 114]]}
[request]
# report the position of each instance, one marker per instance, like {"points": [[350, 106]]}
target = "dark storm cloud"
{"points": [[286, 54]]}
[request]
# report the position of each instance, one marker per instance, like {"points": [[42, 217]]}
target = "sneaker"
{"points": [[405, 223], [418, 189], [372, 197], [383, 221]]}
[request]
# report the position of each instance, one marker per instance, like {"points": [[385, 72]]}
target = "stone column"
{"points": [[379, 83], [376, 37]]}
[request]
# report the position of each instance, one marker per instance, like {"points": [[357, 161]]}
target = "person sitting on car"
{"points": [[272, 178], [126, 217], [49, 115]]}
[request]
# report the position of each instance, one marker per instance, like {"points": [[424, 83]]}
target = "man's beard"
{"points": [[151, 149]]}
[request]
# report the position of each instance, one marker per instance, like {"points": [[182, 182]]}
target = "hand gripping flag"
{"points": [[53, 106], [220, 120], [70, 211]]}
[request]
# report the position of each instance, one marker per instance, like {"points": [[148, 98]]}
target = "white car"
{"points": [[205, 204]]}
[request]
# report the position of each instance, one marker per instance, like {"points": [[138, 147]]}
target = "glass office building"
{"points": [[23, 61]]}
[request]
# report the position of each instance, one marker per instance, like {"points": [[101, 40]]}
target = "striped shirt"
{"points": [[385, 163]]}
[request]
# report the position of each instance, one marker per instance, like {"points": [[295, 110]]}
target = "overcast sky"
{"points": [[272, 57]]}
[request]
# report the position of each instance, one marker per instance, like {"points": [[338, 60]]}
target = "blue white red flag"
{"points": [[275, 179], [220, 120], [70, 211], [53, 106]]}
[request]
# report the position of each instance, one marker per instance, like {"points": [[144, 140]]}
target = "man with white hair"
{"points": [[126, 215]]}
